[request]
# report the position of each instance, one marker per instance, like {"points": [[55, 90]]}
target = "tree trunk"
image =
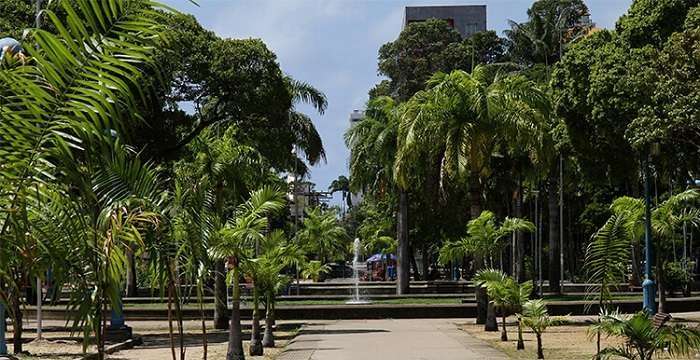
{"points": [[540, 354], [269, 336], [554, 266], [521, 342], [256, 346], [402, 260], [414, 264], [235, 336], [426, 261], [504, 333], [519, 236], [661, 283], [131, 285], [17, 326], [221, 317], [482, 304], [475, 209], [491, 323]]}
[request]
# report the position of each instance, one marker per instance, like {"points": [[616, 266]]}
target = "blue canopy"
{"points": [[380, 257]]}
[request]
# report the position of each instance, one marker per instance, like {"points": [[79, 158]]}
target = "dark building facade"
{"points": [[466, 19]]}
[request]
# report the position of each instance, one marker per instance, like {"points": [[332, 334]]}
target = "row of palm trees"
{"points": [[456, 124]]}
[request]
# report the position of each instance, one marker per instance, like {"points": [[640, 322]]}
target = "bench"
{"points": [[660, 319]]}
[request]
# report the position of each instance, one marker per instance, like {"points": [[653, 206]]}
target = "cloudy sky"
{"points": [[333, 45]]}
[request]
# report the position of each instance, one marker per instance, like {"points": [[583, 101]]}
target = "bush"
{"points": [[676, 275]]}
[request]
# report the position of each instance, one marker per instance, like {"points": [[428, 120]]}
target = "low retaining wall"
{"points": [[396, 311]]}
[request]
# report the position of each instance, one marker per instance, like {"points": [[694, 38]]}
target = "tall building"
{"points": [[356, 116], [465, 19]]}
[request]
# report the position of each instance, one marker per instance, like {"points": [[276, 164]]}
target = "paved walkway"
{"points": [[409, 339]]}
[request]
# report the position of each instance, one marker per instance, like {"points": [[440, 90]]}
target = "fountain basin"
{"points": [[358, 302]]}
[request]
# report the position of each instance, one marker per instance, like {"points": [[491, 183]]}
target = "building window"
{"points": [[471, 28]]}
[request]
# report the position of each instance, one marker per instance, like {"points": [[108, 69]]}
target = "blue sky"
{"points": [[333, 45]]}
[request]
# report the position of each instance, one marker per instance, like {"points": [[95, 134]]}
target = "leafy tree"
{"points": [[652, 22]]}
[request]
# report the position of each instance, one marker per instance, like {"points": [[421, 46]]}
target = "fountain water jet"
{"points": [[356, 259]]}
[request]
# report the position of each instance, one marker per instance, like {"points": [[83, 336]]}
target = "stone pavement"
{"points": [[405, 339]]}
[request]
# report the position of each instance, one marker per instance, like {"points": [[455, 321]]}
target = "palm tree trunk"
{"points": [[482, 304], [402, 263], [519, 236], [131, 285], [221, 318], [504, 333], [200, 300], [269, 336], [17, 326], [256, 347], [540, 353], [554, 268], [521, 342], [475, 208], [491, 323], [235, 334]]}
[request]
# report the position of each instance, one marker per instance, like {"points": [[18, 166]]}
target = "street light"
{"points": [[648, 285]]}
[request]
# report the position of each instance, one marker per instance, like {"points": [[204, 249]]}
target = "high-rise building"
{"points": [[465, 19]]}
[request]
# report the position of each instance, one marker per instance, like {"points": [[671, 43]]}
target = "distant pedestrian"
{"points": [[10, 46]]}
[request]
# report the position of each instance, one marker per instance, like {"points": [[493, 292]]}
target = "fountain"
{"points": [[356, 276]]}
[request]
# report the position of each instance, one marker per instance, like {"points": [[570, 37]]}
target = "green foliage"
{"points": [[653, 21], [314, 269], [677, 275], [322, 235], [460, 116], [484, 238], [551, 25], [642, 340]]}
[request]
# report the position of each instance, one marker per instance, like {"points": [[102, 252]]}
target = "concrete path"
{"points": [[405, 339]]}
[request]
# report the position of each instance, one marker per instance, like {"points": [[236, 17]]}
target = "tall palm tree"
{"points": [[460, 117], [374, 145], [322, 235], [237, 239], [342, 184]]}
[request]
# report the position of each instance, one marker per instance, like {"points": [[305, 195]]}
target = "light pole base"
{"points": [[649, 296], [3, 323]]}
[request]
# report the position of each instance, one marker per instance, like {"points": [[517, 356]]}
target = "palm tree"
{"points": [[342, 184], [322, 235], [484, 238], [236, 241], [75, 86], [373, 142], [314, 269], [460, 117], [535, 316], [506, 295], [643, 340]]}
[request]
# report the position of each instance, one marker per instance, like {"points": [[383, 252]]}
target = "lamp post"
{"points": [[3, 345], [648, 284]]}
